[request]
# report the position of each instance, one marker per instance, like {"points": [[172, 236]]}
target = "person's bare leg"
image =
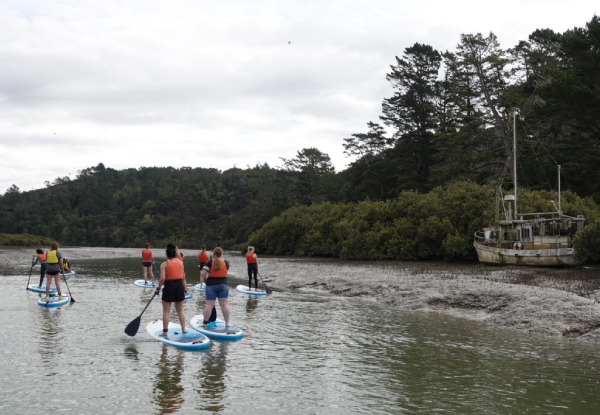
{"points": [[208, 309], [165, 318], [181, 314], [223, 302]]}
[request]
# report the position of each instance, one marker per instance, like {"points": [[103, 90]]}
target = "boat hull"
{"points": [[492, 255]]}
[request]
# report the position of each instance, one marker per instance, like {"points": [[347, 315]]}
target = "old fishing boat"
{"points": [[541, 239]]}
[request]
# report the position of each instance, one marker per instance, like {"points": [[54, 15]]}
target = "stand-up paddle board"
{"points": [[53, 301], [201, 288], [140, 283], [246, 290], [192, 340], [42, 289], [68, 274], [217, 329], [188, 296]]}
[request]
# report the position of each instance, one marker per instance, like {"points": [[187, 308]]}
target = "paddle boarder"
{"points": [[53, 269], [216, 285], [202, 259], [41, 258], [252, 268], [172, 276], [147, 262]]}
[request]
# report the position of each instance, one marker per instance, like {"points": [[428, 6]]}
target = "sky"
{"points": [[217, 84]]}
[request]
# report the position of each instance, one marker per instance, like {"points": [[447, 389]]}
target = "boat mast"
{"points": [[559, 207], [515, 158]]}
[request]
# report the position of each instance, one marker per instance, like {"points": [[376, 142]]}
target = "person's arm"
{"points": [[62, 266], [163, 276], [151, 257], [204, 273], [35, 261]]}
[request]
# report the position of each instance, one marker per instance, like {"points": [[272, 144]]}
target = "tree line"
{"points": [[447, 127]]}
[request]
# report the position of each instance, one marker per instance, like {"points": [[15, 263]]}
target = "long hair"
{"points": [[171, 251], [218, 253], [250, 249], [54, 246]]}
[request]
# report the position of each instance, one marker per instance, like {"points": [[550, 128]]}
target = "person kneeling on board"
{"points": [[216, 285], [66, 266], [172, 276]]}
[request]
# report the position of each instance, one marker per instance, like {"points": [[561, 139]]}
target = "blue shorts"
{"points": [[217, 291]]}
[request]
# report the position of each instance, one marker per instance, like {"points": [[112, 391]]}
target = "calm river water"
{"points": [[303, 353]]}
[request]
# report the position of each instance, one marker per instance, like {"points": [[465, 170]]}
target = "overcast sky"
{"points": [[216, 83]]}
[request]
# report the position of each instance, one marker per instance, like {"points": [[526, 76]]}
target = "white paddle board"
{"points": [[246, 290], [201, 288], [140, 283], [53, 301], [217, 329], [42, 289], [192, 340]]}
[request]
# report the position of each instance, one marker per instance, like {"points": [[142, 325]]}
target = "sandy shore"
{"points": [[550, 302]]}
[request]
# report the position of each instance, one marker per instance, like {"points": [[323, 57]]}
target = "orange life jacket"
{"points": [[250, 259], [146, 255], [174, 269], [202, 257], [220, 273], [42, 257]]}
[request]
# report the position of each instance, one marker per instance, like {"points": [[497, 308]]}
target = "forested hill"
{"points": [[450, 118], [189, 206]]}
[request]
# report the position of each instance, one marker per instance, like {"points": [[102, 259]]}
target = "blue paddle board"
{"points": [[246, 290], [201, 288], [140, 283], [192, 340], [188, 296], [42, 289], [53, 301], [68, 274], [217, 329]]}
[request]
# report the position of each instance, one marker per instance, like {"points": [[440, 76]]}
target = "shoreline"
{"points": [[534, 300]]}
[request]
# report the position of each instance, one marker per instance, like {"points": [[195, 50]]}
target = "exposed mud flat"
{"points": [[551, 302]]}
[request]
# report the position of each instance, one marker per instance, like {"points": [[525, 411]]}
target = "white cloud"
{"points": [[142, 83]]}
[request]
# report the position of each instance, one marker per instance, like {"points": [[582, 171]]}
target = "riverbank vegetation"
{"points": [[431, 226], [7, 239], [419, 181]]}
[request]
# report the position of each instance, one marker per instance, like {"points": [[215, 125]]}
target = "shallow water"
{"points": [[303, 352]]}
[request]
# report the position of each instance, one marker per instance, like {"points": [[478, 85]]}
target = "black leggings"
{"points": [[252, 269]]}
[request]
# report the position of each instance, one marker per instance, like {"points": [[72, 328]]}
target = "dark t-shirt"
{"points": [[214, 281]]}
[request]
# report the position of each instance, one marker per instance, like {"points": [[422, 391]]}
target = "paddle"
{"points": [[28, 279], [133, 327], [65, 278], [267, 289]]}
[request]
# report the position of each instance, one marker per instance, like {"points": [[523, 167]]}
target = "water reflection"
{"points": [[168, 390], [212, 379], [251, 304], [132, 352], [49, 334]]}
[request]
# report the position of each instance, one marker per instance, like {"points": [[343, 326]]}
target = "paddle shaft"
{"points": [[67, 284], [267, 289], [29, 279]]}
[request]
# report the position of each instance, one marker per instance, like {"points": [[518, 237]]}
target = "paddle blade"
{"points": [[133, 327], [73, 300], [268, 290]]}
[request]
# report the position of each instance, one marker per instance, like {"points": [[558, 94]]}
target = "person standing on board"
{"points": [[147, 262], [216, 285], [202, 259], [41, 258], [53, 269], [252, 268], [172, 276]]}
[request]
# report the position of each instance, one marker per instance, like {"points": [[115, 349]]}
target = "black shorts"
{"points": [[173, 291], [201, 265], [52, 272], [147, 264]]}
